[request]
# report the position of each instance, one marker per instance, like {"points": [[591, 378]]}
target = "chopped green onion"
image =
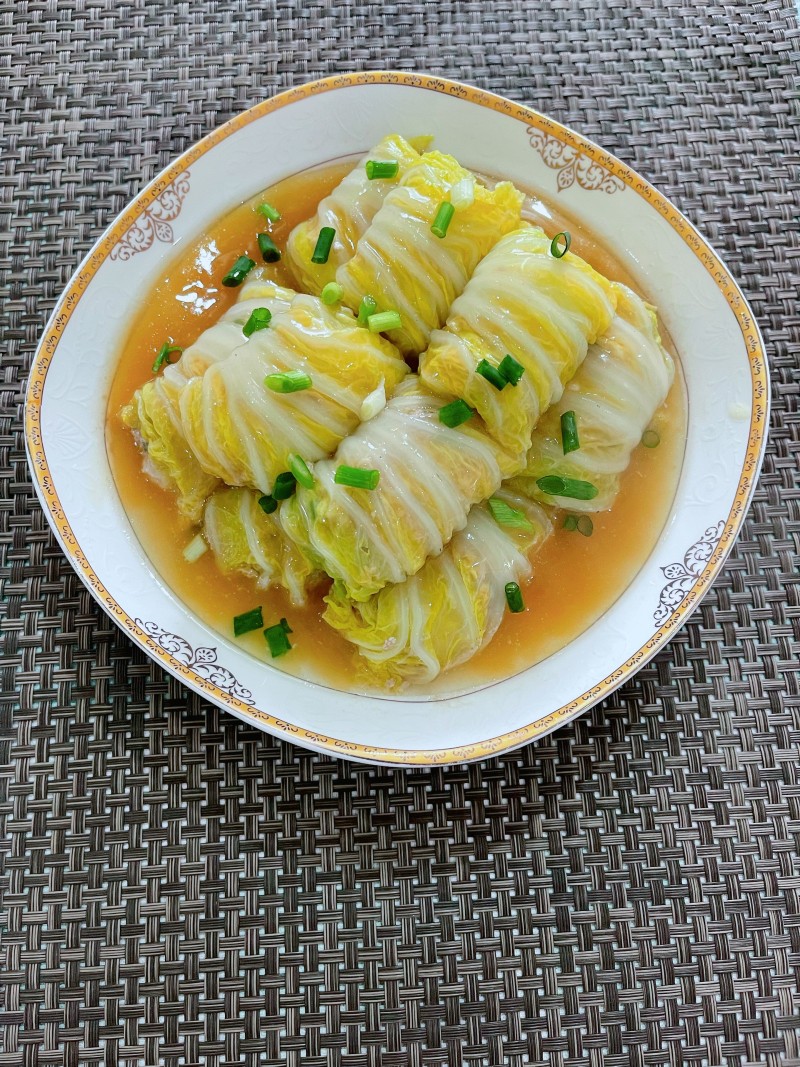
{"points": [[651, 439], [383, 321], [322, 249], [454, 414], [276, 637], [195, 549], [164, 353], [357, 477], [239, 271], [569, 432], [373, 402], [557, 249], [299, 468], [286, 626], [582, 523], [250, 620], [504, 515], [444, 216], [290, 381], [367, 307], [259, 319], [491, 374], [270, 252], [462, 194], [514, 598], [555, 485], [376, 168], [285, 485], [511, 370], [331, 293], [270, 213], [268, 504]]}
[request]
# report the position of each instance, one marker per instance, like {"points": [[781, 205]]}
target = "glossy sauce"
{"points": [[575, 578]]}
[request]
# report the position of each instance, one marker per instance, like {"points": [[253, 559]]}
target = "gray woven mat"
{"points": [[179, 888]]}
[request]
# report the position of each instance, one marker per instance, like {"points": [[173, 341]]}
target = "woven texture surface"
{"points": [[181, 889]]}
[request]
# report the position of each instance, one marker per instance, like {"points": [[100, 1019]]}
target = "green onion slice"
{"points": [[558, 249], [584, 526], [268, 504], [164, 353], [504, 515], [299, 468], [332, 293], [455, 413], [285, 485], [277, 639], [462, 194], [290, 381], [514, 598], [286, 626], [259, 319], [651, 439], [571, 522], [250, 620], [444, 216], [555, 485], [195, 549], [511, 370], [270, 213], [322, 249], [491, 374], [383, 321], [367, 307], [239, 271], [270, 252], [570, 441], [376, 168], [373, 402], [357, 477]]}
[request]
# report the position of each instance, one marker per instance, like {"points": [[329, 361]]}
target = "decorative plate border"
{"points": [[207, 686], [203, 661], [682, 576], [154, 222], [572, 165]]}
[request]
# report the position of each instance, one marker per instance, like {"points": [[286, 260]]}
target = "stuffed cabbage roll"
{"points": [[623, 381], [246, 540], [523, 302], [406, 268], [439, 617], [154, 411], [448, 610], [427, 477], [243, 431], [349, 210]]}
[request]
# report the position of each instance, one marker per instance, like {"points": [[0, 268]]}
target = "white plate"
{"points": [[713, 329]]}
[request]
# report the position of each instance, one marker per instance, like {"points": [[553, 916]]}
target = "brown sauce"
{"points": [[576, 579]]}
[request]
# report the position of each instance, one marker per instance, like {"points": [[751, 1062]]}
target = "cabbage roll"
{"points": [[243, 432], [621, 384], [429, 478], [406, 268], [448, 610], [523, 302], [154, 411], [349, 209], [246, 540], [437, 618]]}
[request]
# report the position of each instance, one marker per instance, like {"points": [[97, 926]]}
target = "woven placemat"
{"points": [[181, 889]]}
